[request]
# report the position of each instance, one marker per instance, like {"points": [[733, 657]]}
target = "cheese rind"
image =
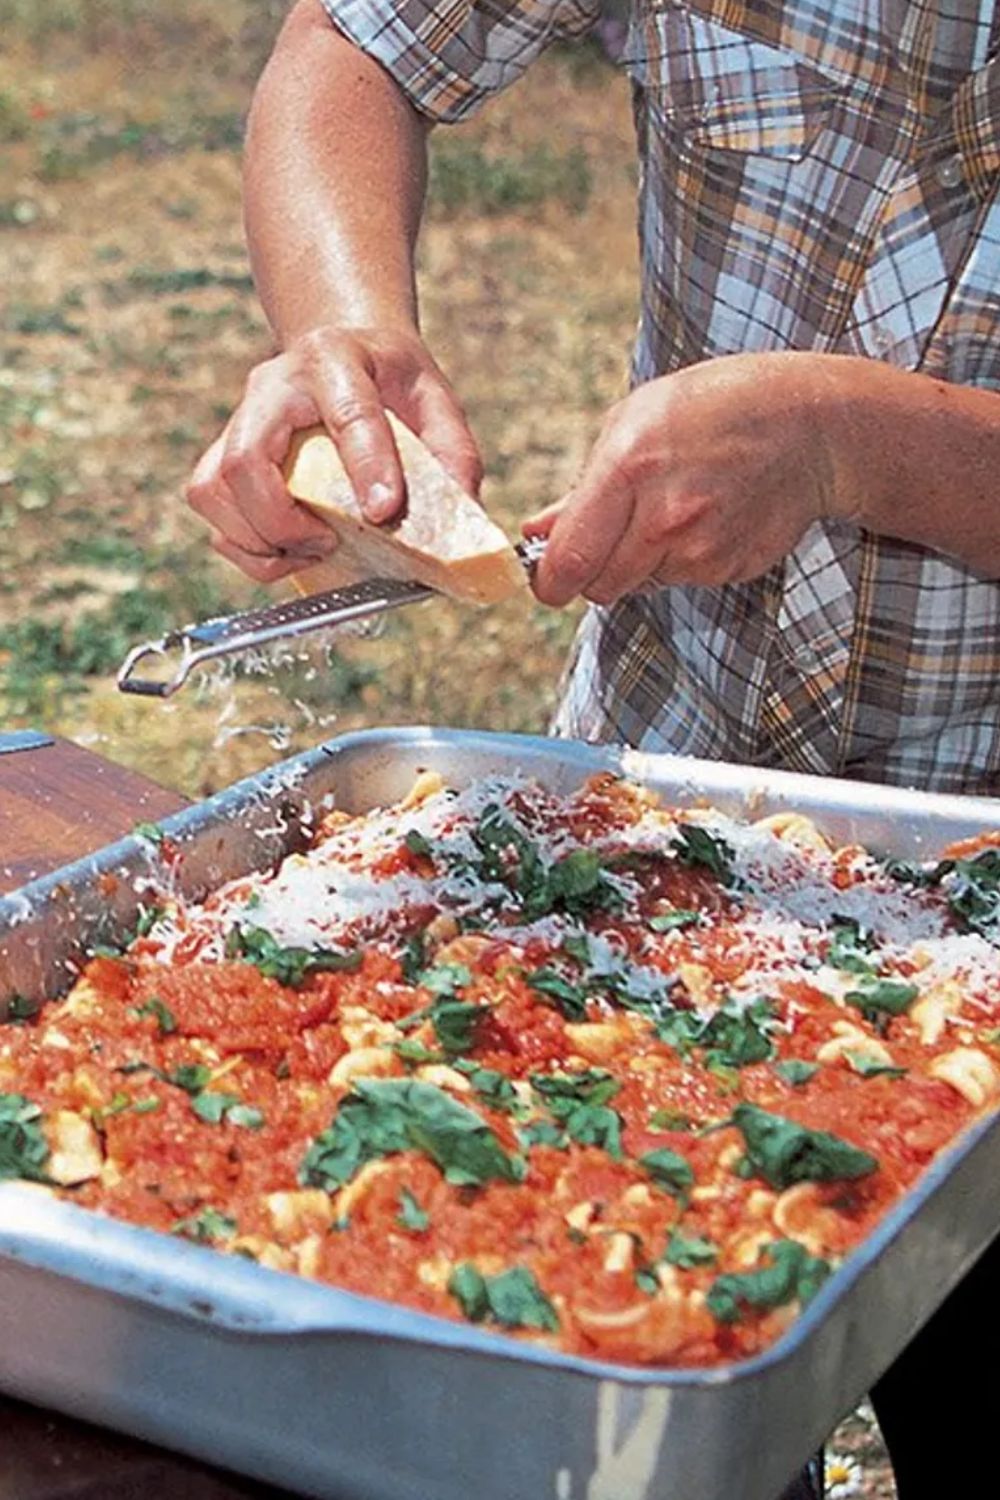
{"points": [[444, 538]]}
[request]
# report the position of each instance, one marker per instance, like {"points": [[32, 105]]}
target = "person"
{"points": [[788, 531]]}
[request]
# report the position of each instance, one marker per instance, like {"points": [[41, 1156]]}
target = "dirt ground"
{"points": [[126, 330]]}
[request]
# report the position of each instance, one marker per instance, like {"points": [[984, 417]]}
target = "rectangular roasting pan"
{"points": [[349, 1398]]}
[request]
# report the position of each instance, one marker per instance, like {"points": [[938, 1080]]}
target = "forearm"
{"points": [[919, 459], [333, 184]]}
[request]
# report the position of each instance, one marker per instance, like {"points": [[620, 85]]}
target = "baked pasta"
{"points": [[624, 1079]]}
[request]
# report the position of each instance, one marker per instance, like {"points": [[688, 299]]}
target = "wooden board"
{"points": [[59, 802]]}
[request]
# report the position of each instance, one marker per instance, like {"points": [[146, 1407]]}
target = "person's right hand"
{"points": [[342, 378]]}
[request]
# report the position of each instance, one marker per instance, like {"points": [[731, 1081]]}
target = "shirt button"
{"points": [[949, 172]]}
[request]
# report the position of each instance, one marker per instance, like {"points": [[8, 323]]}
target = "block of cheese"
{"points": [[444, 539]]}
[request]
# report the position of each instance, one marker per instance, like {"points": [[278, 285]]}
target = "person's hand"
{"points": [[343, 379], [707, 476]]}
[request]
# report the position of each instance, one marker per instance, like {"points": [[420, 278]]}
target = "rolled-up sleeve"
{"points": [[450, 55]]}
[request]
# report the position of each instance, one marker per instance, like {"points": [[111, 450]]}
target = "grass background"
{"points": [[129, 323], [127, 326]]}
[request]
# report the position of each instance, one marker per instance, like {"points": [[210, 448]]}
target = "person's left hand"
{"points": [[707, 476]]}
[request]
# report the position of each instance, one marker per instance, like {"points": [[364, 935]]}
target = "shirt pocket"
{"points": [[722, 90]]}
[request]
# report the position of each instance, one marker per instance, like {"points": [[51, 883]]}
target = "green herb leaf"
{"points": [[212, 1107], [670, 1119], [784, 1152], [543, 1133], [646, 1280], [849, 946], [877, 999], [674, 921], [146, 1106], [192, 1077], [870, 1067], [688, 1251], [974, 891], [161, 1013], [445, 980], [738, 1035], [413, 958], [151, 832], [790, 1274], [247, 1116], [570, 998], [24, 1150], [206, 1226], [697, 847], [288, 966], [382, 1117], [411, 1215], [456, 1024], [669, 1170], [18, 1010], [418, 844], [493, 1087], [511, 1298], [796, 1071], [578, 1101]]}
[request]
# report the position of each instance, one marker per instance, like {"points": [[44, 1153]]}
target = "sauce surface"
{"points": [[624, 1079]]}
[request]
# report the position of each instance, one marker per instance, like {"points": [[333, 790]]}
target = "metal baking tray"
{"points": [[349, 1398]]}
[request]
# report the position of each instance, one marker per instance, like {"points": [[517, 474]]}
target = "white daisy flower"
{"points": [[842, 1476]]}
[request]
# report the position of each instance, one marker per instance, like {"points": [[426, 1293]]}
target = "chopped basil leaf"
{"points": [[418, 844], [670, 1119], [673, 921], [18, 1009], [543, 1133], [796, 1071], [161, 1013], [849, 946], [974, 891], [24, 1150], [288, 966], [411, 1215], [576, 884], [456, 1024], [381, 1117], [151, 832], [119, 1102], [646, 1280], [247, 1116], [669, 1170], [147, 919], [870, 1067], [784, 1152], [688, 1251], [909, 872], [146, 1106], [192, 1077], [878, 999], [445, 979], [211, 1107], [206, 1226], [680, 1029], [214, 1107], [578, 1101], [413, 958], [697, 847], [511, 1298], [737, 1035], [571, 999], [792, 1275], [493, 1087], [415, 1052]]}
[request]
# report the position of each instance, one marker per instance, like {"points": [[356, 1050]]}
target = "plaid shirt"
{"points": [[816, 174]]}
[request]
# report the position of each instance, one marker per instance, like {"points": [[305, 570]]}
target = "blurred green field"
{"points": [[129, 322]]}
